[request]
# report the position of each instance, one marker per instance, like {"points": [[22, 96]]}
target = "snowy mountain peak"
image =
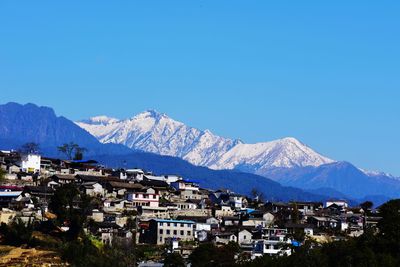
{"points": [[155, 132], [151, 113], [290, 140], [103, 120]]}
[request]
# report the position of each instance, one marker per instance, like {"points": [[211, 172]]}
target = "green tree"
{"points": [[174, 260], [295, 214], [2, 175], [367, 206], [207, 255], [17, 232], [203, 256], [71, 208], [389, 225]]}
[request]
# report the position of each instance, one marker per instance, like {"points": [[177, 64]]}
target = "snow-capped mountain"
{"points": [[155, 132]]}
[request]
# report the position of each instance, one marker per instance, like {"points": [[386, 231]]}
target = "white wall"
{"points": [[30, 163]]}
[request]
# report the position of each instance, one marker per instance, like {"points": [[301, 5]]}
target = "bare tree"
{"points": [[257, 195], [30, 148], [79, 151], [72, 151]]}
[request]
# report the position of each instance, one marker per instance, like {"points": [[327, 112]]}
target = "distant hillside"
{"points": [[340, 176], [20, 124], [213, 179]]}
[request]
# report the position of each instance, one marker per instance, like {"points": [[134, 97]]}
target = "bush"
{"points": [[17, 233]]}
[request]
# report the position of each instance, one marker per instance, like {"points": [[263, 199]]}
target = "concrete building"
{"points": [[30, 163], [160, 230], [148, 198]]}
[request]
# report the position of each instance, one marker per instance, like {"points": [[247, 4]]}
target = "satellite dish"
{"points": [[202, 236]]}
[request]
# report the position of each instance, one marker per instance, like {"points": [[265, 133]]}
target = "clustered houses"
{"points": [[170, 210]]}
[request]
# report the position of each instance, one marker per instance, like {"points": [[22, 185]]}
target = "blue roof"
{"points": [[296, 243], [250, 210], [174, 221]]}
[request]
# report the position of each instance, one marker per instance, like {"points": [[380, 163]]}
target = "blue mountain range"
{"points": [[20, 124]]}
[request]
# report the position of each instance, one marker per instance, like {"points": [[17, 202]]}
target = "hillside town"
{"points": [[137, 207]]}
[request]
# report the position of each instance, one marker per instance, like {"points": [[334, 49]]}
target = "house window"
{"points": [[168, 232], [175, 232], [189, 233], [168, 224], [161, 231], [160, 239], [244, 237], [182, 232], [182, 225], [161, 224], [175, 224]]}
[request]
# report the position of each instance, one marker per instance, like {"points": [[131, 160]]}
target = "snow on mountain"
{"points": [[155, 132], [101, 120], [282, 153]]}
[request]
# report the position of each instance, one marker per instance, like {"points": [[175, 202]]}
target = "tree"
{"points": [[174, 260], [17, 232], [62, 204], [389, 225], [367, 206], [79, 151], [30, 148], [295, 214], [2, 175], [72, 151], [208, 255], [257, 195], [203, 256]]}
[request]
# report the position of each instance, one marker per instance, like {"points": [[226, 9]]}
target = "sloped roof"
{"points": [[125, 185]]}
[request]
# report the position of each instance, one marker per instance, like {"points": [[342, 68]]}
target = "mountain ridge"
{"points": [[155, 132], [341, 176], [20, 124]]}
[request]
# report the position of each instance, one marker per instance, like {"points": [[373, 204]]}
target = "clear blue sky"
{"points": [[325, 72]]}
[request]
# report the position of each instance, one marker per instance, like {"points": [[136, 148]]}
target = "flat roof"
{"points": [[10, 194], [174, 221]]}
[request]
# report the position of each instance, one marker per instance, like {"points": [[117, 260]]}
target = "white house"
{"points": [[137, 174], [244, 237], [237, 201], [224, 238], [186, 205], [93, 188], [224, 211], [30, 163], [271, 247], [340, 203], [185, 186], [166, 178], [148, 198]]}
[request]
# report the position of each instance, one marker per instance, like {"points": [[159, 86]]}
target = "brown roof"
{"points": [[125, 185], [65, 176]]}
